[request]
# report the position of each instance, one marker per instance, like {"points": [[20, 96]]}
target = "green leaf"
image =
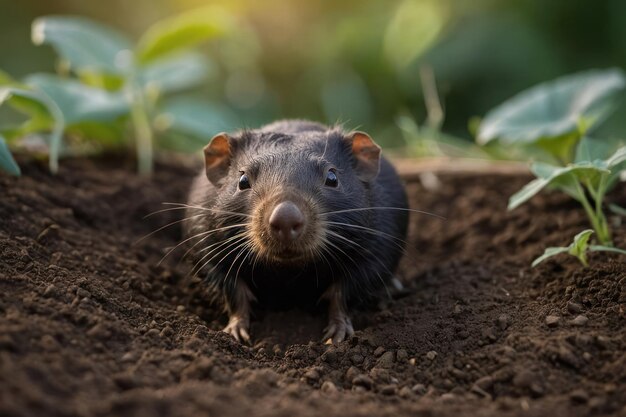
{"points": [[195, 119], [617, 209], [183, 32], [579, 246], [86, 45], [589, 150], [600, 248], [617, 159], [36, 99], [554, 109], [7, 163], [176, 73], [5, 78], [560, 177], [548, 253], [79, 102]]}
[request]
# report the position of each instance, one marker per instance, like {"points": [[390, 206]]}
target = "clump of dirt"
{"points": [[93, 324]]}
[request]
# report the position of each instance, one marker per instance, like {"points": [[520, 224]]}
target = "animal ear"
{"points": [[217, 156], [366, 155]]}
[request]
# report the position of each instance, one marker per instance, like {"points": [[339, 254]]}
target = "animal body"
{"points": [[293, 213]]}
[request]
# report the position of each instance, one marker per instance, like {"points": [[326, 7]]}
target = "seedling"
{"points": [[578, 248], [587, 180], [107, 83], [551, 120]]}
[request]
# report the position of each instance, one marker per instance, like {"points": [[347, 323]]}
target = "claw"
{"points": [[238, 327], [338, 329]]}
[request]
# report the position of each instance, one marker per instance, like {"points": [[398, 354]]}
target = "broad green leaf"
{"points": [[589, 150], [192, 117], [183, 32], [7, 163], [86, 45], [548, 253], [38, 98], [560, 177], [79, 102], [176, 73], [553, 109], [617, 173]]}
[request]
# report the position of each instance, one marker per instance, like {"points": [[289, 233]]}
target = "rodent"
{"points": [[296, 207]]}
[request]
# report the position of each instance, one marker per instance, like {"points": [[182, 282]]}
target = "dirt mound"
{"points": [[91, 324]]}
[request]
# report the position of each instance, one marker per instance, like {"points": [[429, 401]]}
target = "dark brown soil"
{"points": [[92, 325]]}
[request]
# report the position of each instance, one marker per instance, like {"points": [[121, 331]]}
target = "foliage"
{"points": [[579, 248], [109, 84], [553, 118]]}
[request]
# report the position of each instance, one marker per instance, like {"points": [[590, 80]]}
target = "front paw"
{"points": [[238, 327], [338, 329]]}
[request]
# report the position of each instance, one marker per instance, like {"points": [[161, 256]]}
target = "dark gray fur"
{"points": [[295, 154]]}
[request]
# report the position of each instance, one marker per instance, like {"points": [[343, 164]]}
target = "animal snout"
{"points": [[286, 222]]}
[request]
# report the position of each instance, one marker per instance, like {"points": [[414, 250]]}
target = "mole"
{"points": [[295, 213]]}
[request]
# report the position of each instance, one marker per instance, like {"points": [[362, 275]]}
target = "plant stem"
{"points": [[605, 237], [596, 217], [143, 132]]}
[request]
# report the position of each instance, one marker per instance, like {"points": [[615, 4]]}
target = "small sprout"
{"points": [[578, 248]]}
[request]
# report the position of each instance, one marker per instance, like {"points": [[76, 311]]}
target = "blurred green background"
{"points": [[359, 61]]}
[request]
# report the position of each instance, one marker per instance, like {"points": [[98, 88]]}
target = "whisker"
{"points": [[219, 246], [361, 247], [168, 225], [385, 208], [182, 205], [374, 232], [207, 233]]}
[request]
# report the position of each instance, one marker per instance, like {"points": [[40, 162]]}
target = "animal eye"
{"points": [[331, 178], [244, 182]]}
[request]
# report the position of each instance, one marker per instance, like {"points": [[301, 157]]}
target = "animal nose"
{"points": [[286, 222]]}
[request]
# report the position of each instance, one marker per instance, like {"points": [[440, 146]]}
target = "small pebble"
{"points": [[402, 355], [328, 386], [580, 320], [485, 382], [419, 389], [573, 307], [405, 392], [552, 321], [386, 360], [448, 398], [503, 321], [431, 355], [579, 396], [379, 351], [363, 381], [388, 390], [50, 290], [312, 375], [412, 361]]}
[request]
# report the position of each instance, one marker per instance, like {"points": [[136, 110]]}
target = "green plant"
{"points": [[106, 84], [552, 121], [579, 248], [552, 117]]}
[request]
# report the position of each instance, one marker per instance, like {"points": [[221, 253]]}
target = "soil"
{"points": [[91, 324]]}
